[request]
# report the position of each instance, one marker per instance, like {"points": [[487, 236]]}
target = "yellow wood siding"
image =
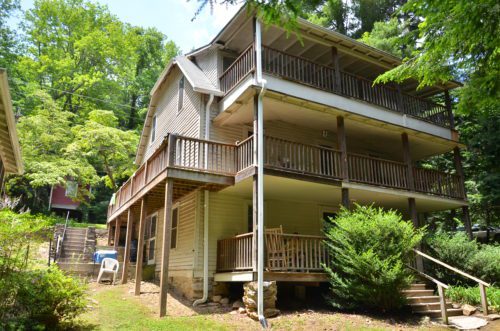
{"points": [[181, 257]]}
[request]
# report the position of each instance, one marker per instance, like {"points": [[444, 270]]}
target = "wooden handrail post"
{"points": [[442, 303], [140, 247], [484, 300], [447, 102], [128, 239], [171, 150]]}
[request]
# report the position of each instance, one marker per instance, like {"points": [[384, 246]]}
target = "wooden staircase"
{"points": [[73, 246], [422, 300]]}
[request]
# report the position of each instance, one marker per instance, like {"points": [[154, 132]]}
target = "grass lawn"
{"points": [[75, 224], [113, 312], [116, 308]]}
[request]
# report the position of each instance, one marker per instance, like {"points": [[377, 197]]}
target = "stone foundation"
{"points": [[250, 299]]}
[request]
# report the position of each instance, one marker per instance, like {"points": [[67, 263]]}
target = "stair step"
{"points": [[437, 312], [418, 286], [429, 306], [423, 299], [417, 293]]}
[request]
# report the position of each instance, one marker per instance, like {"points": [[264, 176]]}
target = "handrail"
{"points": [[482, 284], [437, 282], [236, 60], [477, 280], [60, 238]]}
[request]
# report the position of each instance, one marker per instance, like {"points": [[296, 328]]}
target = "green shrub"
{"points": [[369, 249], [32, 298], [471, 296], [456, 250], [485, 264]]}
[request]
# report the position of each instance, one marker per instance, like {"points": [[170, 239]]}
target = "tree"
{"points": [[105, 146], [385, 36]]}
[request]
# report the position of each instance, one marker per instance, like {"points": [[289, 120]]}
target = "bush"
{"points": [[485, 264], [456, 250], [369, 249], [471, 296], [482, 261], [32, 297]]}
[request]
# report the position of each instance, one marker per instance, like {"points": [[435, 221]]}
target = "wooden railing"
{"points": [[235, 254], [372, 170], [299, 253], [307, 72], [302, 158], [239, 69], [228, 159], [182, 153], [437, 182]]}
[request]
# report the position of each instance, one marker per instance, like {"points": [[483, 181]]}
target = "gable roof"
{"points": [[196, 78], [10, 151]]}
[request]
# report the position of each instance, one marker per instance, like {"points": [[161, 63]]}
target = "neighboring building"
{"points": [[63, 199], [10, 152], [329, 138]]}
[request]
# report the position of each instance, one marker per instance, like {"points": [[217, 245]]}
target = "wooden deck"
{"points": [[306, 72], [196, 163], [300, 258]]}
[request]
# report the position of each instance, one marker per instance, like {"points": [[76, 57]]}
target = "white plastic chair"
{"points": [[108, 265]]}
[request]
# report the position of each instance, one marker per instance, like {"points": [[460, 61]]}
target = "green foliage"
{"points": [[485, 264], [32, 298], [472, 296], [482, 261], [385, 36], [369, 249]]}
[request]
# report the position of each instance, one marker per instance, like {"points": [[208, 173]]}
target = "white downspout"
{"points": [[260, 177], [206, 197]]}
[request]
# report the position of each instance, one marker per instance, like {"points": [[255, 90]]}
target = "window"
{"points": [[180, 102], [173, 232], [153, 129], [250, 217], [150, 238], [71, 189]]}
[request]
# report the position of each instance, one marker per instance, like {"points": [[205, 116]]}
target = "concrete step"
{"points": [[73, 245], [417, 293], [423, 299], [437, 312], [421, 307]]}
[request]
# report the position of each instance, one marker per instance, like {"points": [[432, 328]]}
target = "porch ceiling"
{"points": [[287, 189], [370, 135]]}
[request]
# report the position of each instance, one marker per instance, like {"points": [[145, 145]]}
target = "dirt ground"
{"points": [[289, 319]]}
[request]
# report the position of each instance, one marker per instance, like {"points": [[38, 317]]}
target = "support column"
{"points": [[408, 161], [128, 239], [447, 102], [165, 249], [336, 66], [110, 231], [465, 209], [412, 208], [344, 165], [116, 240], [140, 247]]}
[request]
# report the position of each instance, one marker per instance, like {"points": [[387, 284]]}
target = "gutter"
{"points": [[206, 198]]}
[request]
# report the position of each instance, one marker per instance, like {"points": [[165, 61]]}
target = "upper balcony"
{"points": [[326, 78], [195, 163]]}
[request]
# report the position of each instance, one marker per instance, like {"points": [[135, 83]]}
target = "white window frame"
{"points": [[147, 241], [153, 129], [175, 207], [71, 189], [180, 94]]}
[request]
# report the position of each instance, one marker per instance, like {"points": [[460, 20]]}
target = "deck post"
{"points": [[344, 165], [408, 162], [116, 239], [412, 208], [128, 239], [465, 209], [140, 247], [336, 66], [447, 102], [165, 249], [110, 230]]}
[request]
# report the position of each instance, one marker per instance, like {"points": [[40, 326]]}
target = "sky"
{"points": [[171, 17]]}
